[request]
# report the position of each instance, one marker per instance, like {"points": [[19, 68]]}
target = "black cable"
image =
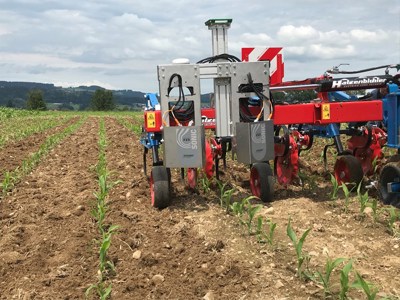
{"points": [[244, 112], [180, 87], [224, 56], [336, 71], [258, 90], [186, 114], [178, 110]]}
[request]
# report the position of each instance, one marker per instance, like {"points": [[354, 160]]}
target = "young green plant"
{"points": [[298, 246], [262, 234], [238, 208], [324, 277], [335, 187], [8, 182], [368, 288], [346, 192], [225, 197], [344, 280], [252, 210], [362, 198], [394, 215]]}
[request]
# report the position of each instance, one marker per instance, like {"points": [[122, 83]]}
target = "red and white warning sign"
{"points": [[274, 55]]}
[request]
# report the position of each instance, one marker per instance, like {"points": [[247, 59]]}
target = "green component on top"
{"points": [[218, 22]]}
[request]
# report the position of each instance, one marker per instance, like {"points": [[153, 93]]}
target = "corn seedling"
{"points": [[227, 199], [225, 196], [374, 207], [99, 213], [221, 187], [262, 235], [394, 215], [368, 288], [303, 178], [375, 165], [8, 182], [238, 208], [362, 198], [324, 278], [309, 182], [335, 187], [312, 182], [344, 280], [103, 291], [205, 184], [260, 229], [346, 192], [105, 265], [252, 210], [298, 245]]}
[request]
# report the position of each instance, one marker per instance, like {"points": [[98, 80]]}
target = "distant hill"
{"points": [[15, 94]]}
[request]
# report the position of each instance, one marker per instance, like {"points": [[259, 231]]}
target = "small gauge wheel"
{"points": [[262, 181], [160, 187]]}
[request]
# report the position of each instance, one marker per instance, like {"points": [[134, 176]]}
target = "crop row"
{"points": [[11, 178], [105, 229], [20, 128]]}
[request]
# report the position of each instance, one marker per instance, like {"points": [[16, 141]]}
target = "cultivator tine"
{"points": [[325, 156]]}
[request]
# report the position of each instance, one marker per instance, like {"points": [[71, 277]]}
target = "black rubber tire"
{"points": [[160, 187], [348, 169], [389, 173], [262, 181]]}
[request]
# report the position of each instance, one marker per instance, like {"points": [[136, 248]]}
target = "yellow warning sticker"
{"points": [[151, 120], [326, 111]]}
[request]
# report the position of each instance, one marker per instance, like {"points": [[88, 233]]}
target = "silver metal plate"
{"points": [[184, 147], [254, 142]]}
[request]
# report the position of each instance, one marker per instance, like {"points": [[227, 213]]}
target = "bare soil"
{"points": [[190, 250]]}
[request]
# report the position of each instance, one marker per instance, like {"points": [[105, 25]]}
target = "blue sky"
{"points": [[119, 43]]}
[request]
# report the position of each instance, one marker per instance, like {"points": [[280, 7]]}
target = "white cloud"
{"points": [[324, 52], [334, 37], [295, 50], [369, 36], [256, 38], [4, 30], [132, 22], [292, 34]]}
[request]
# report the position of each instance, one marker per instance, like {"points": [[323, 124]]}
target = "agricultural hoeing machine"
{"points": [[245, 119]]}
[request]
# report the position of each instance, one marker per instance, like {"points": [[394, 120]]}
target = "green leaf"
{"points": [[291, 233], [331, 265], [106, 293], [367, 287], [344, 280], [303, 237], [112, 228], [89, 289]]}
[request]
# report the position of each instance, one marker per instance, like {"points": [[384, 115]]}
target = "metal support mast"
{"points": [[222, 85]]}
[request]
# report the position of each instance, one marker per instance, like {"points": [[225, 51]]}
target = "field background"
{"points": [[58, 170]]}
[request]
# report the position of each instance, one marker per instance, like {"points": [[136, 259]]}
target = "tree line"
{"points": [[102, 100]]}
